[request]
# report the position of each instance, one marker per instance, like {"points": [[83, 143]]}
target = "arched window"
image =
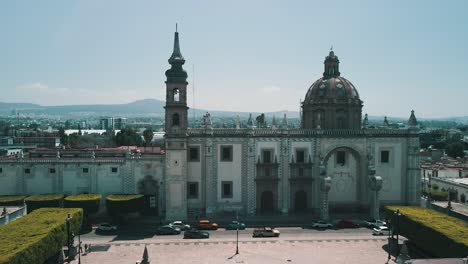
{"points": [[175, 119], [176, 95]]}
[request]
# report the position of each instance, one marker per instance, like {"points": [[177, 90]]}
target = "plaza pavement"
{"points": [[292, 247]]}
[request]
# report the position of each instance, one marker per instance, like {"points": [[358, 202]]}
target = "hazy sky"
{"points": [[247, 55]]}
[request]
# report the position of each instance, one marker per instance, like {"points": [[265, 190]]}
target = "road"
{"points": [[287, 234]]}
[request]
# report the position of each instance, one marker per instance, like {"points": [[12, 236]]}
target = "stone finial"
{"points": [[412, 121], [250, 123], [93, 154], [207, 124], [273, 123], [365, 122], [385, 122], [58, 155], [238, 125], [284, 123]]}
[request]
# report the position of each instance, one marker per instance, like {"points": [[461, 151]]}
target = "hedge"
{"points": [[12, 200], [438, 234], [122, 204], [38, 236], [88, 202], [44, 200]]}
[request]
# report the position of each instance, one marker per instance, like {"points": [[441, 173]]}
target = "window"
{"points": [[192, 190], [226, 153], [226, 189], [85, 170], [267, 172], [266, 155], [176, 95], [114, 169], [300, 156], [175, 119], [341, 158], [1, 170], [27, 171], [384, 156], [194, 154], [52, 170], [300, 172]]}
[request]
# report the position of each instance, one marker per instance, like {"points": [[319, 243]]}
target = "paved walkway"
{"points": [[252, 252]]}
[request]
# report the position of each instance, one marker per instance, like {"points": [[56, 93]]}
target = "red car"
{"points": [[347, 224]]}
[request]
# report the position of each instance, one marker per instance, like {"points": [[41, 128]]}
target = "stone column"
{"points": [[251, 187]]}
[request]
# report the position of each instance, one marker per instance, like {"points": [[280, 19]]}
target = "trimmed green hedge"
{"points": [[122, 204], [88, 202], [36, 237], [44, 200], [12, 200], [439, 234]]}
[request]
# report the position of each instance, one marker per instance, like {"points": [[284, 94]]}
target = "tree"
{"points": [[128, 137], [455, 149], [63, 136], [74, 140], [148, 135]]}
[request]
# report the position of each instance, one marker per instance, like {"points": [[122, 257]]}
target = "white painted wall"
{"points": [[230, 171], [39, 181], [109, 182], [8, 180], [391, 172]]}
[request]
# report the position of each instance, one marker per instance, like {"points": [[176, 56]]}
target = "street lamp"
{"points": [[397, 215], [237, 233], [69, 218]]}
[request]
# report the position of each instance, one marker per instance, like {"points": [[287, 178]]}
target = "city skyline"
{"points": [[400, 56]]}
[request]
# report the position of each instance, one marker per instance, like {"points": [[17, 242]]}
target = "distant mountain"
{"points": [[146, 107]]}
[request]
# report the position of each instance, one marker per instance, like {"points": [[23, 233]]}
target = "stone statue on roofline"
{"points": [[207, 124], [260, 120]]}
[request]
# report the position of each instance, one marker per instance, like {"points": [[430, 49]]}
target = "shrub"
{"points": [[122, 204], [439, 234], [12, 200], [439, 195], [36, 237], [462, 198], [44, 200], [435, 186], [88, 202]]}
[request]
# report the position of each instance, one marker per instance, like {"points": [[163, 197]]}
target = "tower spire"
{"points": [[176, 56], [176, 73]]}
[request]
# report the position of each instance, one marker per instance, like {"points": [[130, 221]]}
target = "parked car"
{"points": [[266, 232], [380, 231], [321, 225], [233, 225], [347, 224], [206, 224], [180, 225], [194, 233], [106, 228], [168, 230], [375, 223]]}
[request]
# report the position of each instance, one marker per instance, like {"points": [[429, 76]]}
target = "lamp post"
{"points": [[79, 247], [69, 218], [237, 233], [397, 215]]}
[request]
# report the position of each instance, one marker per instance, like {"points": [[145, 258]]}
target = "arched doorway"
{"points": [[267, 201], [300, 201]]}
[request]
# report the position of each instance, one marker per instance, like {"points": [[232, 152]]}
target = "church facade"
{"points": [[334, 162]]}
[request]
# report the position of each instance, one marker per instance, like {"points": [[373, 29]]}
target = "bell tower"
{"points": [[176, 94], [175, 178]]}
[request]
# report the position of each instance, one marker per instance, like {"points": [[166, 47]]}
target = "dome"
{"points": [[337, 88], [332, 102]]}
